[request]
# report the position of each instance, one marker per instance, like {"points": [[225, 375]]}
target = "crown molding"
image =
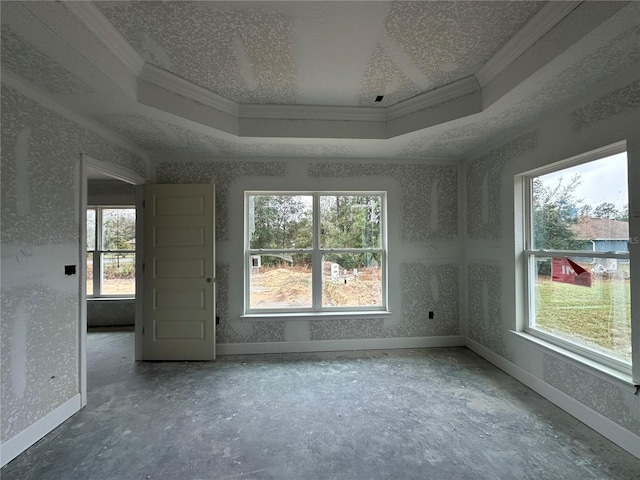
{"points": [[175, 84], [313, 112], [303, 121], [434, 97], [101, 27], [536, 28]]}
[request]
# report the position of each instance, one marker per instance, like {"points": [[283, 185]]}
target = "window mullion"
{"points": [[98, 269], [98, 232], [530, 263], [316, 257], [528, 218], [97, 273], [248, 266], [530, 283]]}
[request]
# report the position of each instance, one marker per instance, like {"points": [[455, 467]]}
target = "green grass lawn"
{"points": [[598, 316]]}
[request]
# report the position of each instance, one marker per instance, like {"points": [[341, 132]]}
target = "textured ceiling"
{"points": [[23, 59], [318, 53]]}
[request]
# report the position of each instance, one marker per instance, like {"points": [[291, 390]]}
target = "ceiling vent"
{"points": [[379, 98]]}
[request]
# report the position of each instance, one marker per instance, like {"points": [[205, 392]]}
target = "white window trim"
{"points": [[590, 356], [97, 253], [316, 252]]}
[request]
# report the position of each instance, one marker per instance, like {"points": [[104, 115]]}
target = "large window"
{"points": [[111, 244], [577, 257], [315, 251]]}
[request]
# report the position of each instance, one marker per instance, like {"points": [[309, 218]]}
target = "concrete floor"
{"points": [[397, 414]]}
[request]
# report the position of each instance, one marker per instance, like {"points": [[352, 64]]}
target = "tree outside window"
{"points": [[111, 251]]}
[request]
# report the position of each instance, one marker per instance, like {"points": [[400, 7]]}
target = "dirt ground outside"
{"points": [[280, 287], [112, 284]]}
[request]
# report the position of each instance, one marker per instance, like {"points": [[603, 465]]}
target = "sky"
{"points": [[603, 180]]}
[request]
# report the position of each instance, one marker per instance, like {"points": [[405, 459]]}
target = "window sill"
{"points": [[109, 299], [611, 375], [314, 315]]}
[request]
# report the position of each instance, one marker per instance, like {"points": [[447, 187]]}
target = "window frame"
{"points": [[316, 252], [98, 253], [529, 254]]}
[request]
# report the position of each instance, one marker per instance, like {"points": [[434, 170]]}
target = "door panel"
{"points": [[180, 205], [167, 299], [179, 287], [179, 236], [186, 267]]}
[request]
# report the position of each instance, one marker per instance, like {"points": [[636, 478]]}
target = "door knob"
{"points": [[208, 279]]}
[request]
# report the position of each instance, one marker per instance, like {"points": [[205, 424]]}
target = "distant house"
{"points": [[256, 260], [604, 234]]}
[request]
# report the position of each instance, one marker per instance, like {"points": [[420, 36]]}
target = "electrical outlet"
{"points": [[430, 314]]}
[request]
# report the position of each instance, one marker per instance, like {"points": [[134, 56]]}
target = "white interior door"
{"points": [[179, 272]]}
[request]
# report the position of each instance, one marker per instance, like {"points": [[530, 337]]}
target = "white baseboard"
{"points": [[30, 435], [601, 424], [339, 345]]}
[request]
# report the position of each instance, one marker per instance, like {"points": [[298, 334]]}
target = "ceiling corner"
{"points": [[537, 27], [92, 18]]}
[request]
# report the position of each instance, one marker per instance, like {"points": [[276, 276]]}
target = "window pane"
{"points": [[350, 221], [280, 281], [596, 316], [119, 273], [281, 221], [118, 229], [350, 280], [89, 273], [583, 207], [91, 229]]}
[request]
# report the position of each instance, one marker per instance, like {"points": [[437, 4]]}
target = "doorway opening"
{"points": [[110, 219]]}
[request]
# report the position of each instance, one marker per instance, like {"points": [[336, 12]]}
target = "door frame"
{"points": [[116, 172]]}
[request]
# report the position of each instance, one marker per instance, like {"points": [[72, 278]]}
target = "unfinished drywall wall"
{"points": [[610, 113], [484, 176], [110, 193], [423, 242], [40, 231], [485, 306], [111, 312]]}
